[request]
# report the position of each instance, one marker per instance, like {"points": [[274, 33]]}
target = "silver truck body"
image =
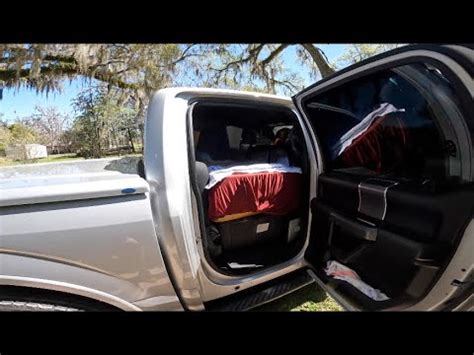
{"points": [[79, 233], [96, 229]]}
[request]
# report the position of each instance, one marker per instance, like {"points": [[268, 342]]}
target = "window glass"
{"points": [[393, 122]]}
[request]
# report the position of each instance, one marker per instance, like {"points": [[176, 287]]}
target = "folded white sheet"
{"points": [[218, 173]]}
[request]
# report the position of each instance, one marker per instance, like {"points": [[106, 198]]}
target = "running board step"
{"points": [[260, 295]]}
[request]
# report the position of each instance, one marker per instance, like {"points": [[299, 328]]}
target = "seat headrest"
{"points": [[202, 175], [214, 142]]}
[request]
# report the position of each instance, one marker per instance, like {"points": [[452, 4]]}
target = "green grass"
{"points": [[308, 299]]}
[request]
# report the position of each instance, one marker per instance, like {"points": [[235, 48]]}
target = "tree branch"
{"points": [[319, 60], [9, 76], [274, 54], [253, 54], [183, 55]]}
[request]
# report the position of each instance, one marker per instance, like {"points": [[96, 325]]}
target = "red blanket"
{"points": [[380, 148], [275, 193]]}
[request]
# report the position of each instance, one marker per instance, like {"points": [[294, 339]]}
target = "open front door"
{"points": [[392, 221]]}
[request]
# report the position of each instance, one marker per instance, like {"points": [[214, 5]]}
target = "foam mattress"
{"points": [[251, 190]]}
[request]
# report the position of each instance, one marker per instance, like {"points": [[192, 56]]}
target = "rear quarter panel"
{"points": [[103, 248]]}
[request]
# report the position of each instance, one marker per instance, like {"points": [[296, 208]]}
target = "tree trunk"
{"points": [[321, 63], [97, 145], [142, 137], [131, 140], [115, 140]]}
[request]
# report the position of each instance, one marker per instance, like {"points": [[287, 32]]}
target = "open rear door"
{"points": [[392, 223]]}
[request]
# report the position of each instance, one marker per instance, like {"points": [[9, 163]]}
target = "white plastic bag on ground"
{"points": [[341, 272]]}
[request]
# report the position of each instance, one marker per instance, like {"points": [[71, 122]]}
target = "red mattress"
{"points": [[276, 193]]}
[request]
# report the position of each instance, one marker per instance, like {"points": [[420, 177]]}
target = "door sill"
{"points": [[258, 296]]}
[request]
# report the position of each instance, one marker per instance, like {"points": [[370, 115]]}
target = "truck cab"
{"points": [[362, 183]]}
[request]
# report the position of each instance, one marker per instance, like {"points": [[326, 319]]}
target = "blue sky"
{"points": [[17, 103], [22, 102], [332, 51]]}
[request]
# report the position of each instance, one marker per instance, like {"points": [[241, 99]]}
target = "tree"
{"points": [[87, 125], [22, 134], [357, 52], [50, 125], [5, 134], [255, 66], [138, 69], [130, 66], [5, 137], [102, 123]]}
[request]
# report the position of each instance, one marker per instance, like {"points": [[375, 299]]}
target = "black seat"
{"points": [[213, 144], [258, 153], [268, 154]]}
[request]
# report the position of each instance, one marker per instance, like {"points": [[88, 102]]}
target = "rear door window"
{"points": [[389, 123]]}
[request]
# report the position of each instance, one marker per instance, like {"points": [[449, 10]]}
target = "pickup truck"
{"points": [[362, 183]]}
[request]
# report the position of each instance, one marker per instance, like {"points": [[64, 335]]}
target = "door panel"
{"points": [[396, 192], [406, 248]]}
